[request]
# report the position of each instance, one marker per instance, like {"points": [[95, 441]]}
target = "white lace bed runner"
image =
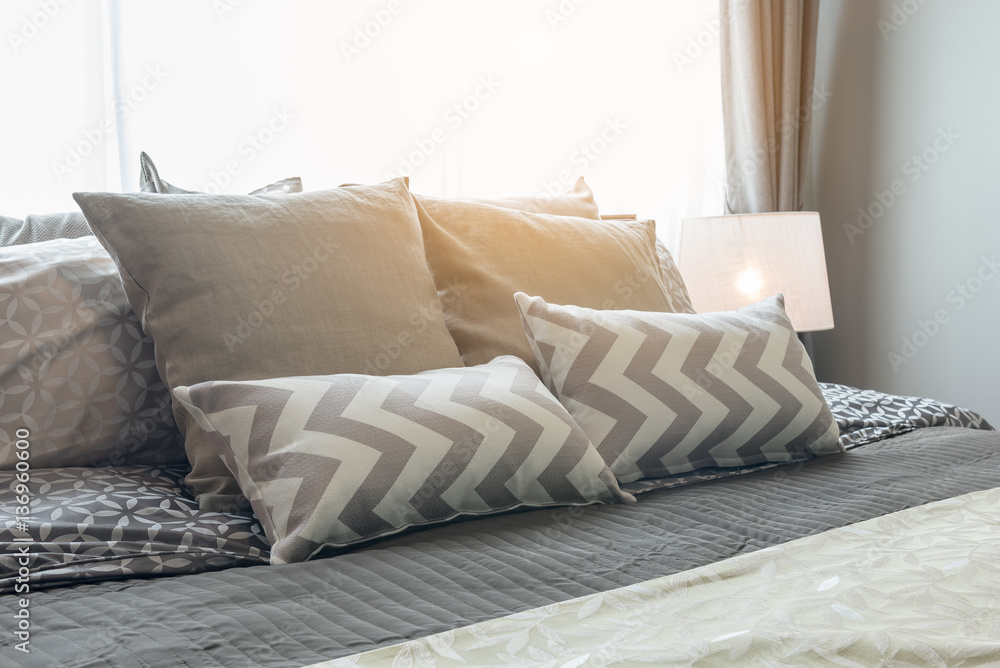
{"points": [[920, 587]]}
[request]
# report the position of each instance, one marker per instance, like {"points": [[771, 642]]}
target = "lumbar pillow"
{"points": [[666, 393], [76, 371], [330, 461], [150, 182], [239, 287], [480, 255]]}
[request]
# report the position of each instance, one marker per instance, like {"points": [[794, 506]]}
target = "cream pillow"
{"points": [[480, 255], [578, 201]]}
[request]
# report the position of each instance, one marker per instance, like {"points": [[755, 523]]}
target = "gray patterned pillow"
{"points": [[337, 460], [150, 182], [43, 227], [76, 370], [677, 292], [667, 393], [73, 225]]}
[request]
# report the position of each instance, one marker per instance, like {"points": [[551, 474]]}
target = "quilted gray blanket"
{"points": [[439, 579]]}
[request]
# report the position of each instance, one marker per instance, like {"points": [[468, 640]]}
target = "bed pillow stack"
{"points": [[310, 360], [354, 362]]}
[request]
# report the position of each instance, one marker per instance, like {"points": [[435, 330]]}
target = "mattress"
{"points": [[463, 573]]}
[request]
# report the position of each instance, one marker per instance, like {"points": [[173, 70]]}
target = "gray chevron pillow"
{"points": [[330, 461], [666, 393]]}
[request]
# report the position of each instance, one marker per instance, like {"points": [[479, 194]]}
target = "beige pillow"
{"points": [[240, 287], [579, 202], [481, 255]]}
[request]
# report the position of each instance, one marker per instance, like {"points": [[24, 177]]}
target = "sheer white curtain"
{"points": [[467, 97]]}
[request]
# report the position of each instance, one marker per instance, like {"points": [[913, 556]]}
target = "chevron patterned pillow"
{"points": [[666, 393], [330, 461]]}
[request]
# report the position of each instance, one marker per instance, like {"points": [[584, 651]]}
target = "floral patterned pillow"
{"points": [[77, 374]]}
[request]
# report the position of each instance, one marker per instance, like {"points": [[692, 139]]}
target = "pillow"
{"points": [[42, 227], [578, 202], [239, 287], [73, 225], [150, 182], [666, 393], [670, 274], [481, 255], [76, 370], [331, 461]]}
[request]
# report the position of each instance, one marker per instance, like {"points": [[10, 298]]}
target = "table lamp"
{"points": [[731, 261]]}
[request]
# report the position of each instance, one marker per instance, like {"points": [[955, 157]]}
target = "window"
{"points": [[467, 97]]}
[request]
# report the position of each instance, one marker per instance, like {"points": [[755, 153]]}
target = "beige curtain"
{"points": [[768, 63]]}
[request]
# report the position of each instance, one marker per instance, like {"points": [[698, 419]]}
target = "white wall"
{"points": [[895, 93]]}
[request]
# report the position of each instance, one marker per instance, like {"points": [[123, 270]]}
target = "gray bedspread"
{"points": [[442, 578]]}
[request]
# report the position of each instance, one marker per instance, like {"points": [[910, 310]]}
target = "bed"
{"points": [[117, 561]]}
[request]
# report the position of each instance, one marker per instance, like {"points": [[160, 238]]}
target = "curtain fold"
{"points": [[768, 62]]}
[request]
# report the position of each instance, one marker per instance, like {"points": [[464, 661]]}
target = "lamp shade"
{"points": [[731, 261]]}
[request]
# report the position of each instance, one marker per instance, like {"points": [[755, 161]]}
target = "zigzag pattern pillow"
{"points": [[337, 460], [667, 393]]}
